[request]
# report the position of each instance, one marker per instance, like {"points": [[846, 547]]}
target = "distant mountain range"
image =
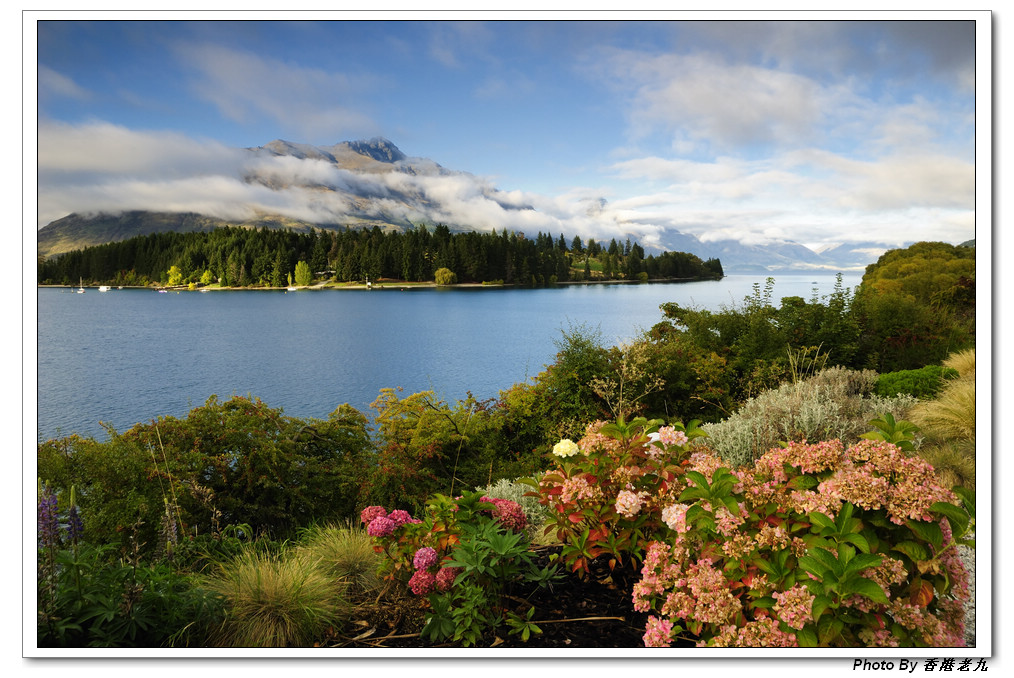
{"points": [[372, 182]]}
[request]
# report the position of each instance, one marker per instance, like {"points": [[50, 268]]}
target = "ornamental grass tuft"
{"points": [[345, 552], [948, 423], [284, 600]]}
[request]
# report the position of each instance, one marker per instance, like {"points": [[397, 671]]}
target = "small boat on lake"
{"points": [[103, 288], [80, 286]]}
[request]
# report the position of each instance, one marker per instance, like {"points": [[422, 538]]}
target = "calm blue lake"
{"points": [[126, 356]]}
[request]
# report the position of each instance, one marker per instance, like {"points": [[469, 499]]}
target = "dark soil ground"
{"points": [[573, 612]]}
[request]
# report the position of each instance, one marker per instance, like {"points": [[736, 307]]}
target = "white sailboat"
{"points": [[80, 286]]}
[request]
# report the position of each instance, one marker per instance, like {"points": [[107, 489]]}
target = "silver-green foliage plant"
{"points": [[535, 513], [835, 403]]}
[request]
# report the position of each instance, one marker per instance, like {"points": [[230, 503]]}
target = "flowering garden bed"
{"points": [[573, 612], [812, 545]]}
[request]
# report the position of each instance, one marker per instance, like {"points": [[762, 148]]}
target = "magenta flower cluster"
{"points": [[425, 558], [508, 513], [424, 580], [381, 524]]}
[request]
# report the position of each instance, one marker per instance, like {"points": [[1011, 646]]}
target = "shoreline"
{"points": [[380, 285]]}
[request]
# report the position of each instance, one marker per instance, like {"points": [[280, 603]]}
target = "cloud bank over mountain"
{"points": [[765, 133]]}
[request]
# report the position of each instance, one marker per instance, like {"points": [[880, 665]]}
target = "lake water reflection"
{"points": [[126, 356]]}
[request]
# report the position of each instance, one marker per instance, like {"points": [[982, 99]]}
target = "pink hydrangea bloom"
{"points": [[629, 503], [657, 632], [675, 517], [400, 517], [577, 488], [446, 576], [508, 513], [422, 582], [380, 527], [727, 523], [594, 442], [793, 606], [371, 512], [670, 435], [425, 558]]}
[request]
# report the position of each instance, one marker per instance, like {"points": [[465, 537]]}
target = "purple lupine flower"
{"points": [[75, 527], [48, 521]]}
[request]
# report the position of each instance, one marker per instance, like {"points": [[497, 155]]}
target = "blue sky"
{"points": [[820, 132]]}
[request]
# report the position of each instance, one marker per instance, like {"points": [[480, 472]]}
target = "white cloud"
{"points": [[811, 196], [53, 84], [698, 99], [100, 147], [99, 167]]}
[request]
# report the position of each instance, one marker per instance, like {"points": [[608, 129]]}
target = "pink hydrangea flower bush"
{"points": [[814, 544], [606, 497], [417, 550], [397, 534]]}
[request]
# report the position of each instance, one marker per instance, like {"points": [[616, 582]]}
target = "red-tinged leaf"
{"points": [[923, 594], [558, 489], [575, 517]]}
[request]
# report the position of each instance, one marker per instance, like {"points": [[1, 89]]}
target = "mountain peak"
{"points": [[377, 148]]}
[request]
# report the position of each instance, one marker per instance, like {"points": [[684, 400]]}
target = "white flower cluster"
{"points": [[566, 448]]}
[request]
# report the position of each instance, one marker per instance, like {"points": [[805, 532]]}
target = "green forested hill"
{"points": [[234, 256]]}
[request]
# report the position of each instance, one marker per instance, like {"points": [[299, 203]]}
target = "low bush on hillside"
{"points": [[923, 383], [836, 403]]}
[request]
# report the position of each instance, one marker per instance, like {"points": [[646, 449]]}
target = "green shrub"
{"points": [[922, 383], [836, 403], [226, 463], [98, 602]]}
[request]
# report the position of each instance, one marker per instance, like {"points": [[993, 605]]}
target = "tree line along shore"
{"points": [[270, 258]]}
